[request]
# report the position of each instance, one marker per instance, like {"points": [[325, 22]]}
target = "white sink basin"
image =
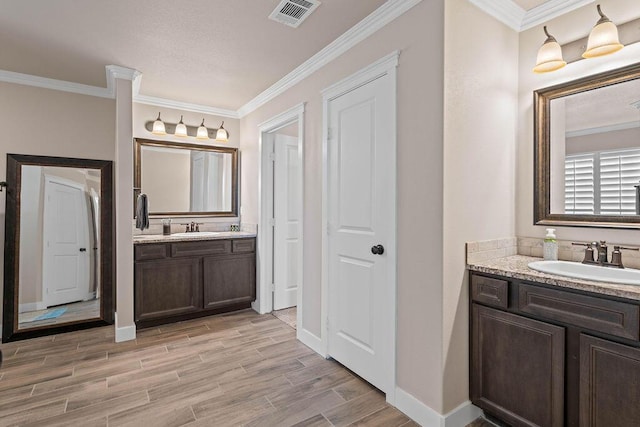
{"points": [[625, 276], [197, 234]]}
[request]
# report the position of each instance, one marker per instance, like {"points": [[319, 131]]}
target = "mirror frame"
{"points": [[542, 154], [10, 331], [137, 176]]}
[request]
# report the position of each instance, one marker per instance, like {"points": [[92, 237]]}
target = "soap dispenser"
{"points": [[550, 246]]}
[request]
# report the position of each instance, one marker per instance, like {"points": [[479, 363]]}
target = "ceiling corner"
{"points": [[504, 11]]}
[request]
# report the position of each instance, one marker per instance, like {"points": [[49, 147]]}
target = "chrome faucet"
{"points": [[193, 227]]}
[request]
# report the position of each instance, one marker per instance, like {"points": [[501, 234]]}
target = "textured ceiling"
{"points": [[220, 53]]}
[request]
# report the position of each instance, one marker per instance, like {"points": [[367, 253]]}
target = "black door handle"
{"points": [[83, 249], [377, 250]]}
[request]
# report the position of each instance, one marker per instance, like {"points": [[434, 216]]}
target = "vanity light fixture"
{"points": [[203, 132], [158, 127], [222, 135], [549, 55], [181, 129], [603, 39]]}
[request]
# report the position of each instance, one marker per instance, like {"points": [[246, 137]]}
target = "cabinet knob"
{"points": [[377, 250]]}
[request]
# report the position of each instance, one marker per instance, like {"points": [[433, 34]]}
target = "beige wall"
{"points": [[481, 93], [615, 140], [566, 28], [167, 192], [419, 34], [52, 123]]}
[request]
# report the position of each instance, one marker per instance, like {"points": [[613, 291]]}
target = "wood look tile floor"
{"points": [[230, 370]]}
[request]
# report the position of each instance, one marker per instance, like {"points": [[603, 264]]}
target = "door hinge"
{"points": [[272, 222], [273, 287], [272, 156], [329, 133]]}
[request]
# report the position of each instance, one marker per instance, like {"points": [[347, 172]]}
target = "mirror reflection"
{"points": [[187, 179], [595, 151], [59, 235]]}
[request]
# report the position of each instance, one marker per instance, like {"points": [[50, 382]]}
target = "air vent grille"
{"points": [[293, 12]]}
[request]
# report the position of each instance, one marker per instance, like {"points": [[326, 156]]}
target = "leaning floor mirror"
{"points": [[58, 259]]}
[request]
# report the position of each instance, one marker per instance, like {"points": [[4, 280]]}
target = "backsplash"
{"points": [[490, 249], [532, 246], [155, 227]]}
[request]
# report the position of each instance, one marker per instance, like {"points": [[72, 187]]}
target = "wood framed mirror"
{"points": [[186, 180], [59, 246], [587, 151]]}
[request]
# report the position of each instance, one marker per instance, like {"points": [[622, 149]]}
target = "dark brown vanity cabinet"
{"points": [[545, 356], [182, 280]]}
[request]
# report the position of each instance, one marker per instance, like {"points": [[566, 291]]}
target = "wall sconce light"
{"points": [[222, 135], [158, 127], [603, 39], [202, 132], [181, 129], [549, 55]]}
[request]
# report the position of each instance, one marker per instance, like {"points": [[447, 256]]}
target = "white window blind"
{"points": [[579, 188], [602, 183], [619, 174]]}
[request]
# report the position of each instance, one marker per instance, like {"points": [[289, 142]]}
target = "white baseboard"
{"points": [[312, 341], [125, 333], [31, 306], [427, 417]]}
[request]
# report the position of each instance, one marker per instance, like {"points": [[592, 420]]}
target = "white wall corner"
{"points": [[125, 333], [504, 11], [385, 14], [462, 415], [117, 72]]}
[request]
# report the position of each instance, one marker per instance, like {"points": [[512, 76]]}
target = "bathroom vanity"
{"points": [[553, 351], [179, 278]]}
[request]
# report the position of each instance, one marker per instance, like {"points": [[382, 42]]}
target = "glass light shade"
{"points": [[203, 132], [603, 40], [158, 127], [222, 135], [181, 129], [549, 56]]}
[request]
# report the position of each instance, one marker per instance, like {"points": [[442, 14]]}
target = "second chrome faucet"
{"points": [[597, 253]]}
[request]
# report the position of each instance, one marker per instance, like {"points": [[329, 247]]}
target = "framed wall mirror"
{"points": [[186, 179], [58, 259], [587, 151]]}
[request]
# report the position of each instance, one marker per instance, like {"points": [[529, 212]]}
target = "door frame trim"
{"points": [[48, 180], [384, 66], [264, 300]]}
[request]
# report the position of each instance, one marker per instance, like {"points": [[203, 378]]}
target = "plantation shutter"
{"points": [[619, 174], [579, 178]]}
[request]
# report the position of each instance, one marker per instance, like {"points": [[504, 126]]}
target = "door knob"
{"points": [[83, 249], [377, 250]]}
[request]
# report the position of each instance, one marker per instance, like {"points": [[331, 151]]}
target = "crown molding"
{"points": [[602, 129], [185, 106], [549, 10], [53, 84], [386, 13], [518, 19], [504, 11]]}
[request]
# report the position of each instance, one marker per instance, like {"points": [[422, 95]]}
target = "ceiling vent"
{"points": [[293, 12]]}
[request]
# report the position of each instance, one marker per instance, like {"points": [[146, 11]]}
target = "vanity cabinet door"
{"points": [[609, 383], [517, 368], [167, 288], [229, 280]]}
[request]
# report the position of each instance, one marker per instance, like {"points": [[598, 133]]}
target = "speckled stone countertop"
{"points": [[516, 266], [192, 237]]}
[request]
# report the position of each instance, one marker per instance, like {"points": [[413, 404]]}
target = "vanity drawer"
{"points": [[244, 245], [204, 247], [147, 252], [493, 292], [598, 314]]}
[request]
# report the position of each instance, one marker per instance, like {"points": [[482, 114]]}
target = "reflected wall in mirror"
{"points": [[186, 179], [58, 270], [587, 142]]}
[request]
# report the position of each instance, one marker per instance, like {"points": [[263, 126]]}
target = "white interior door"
{"points": [[361, 220], [286, 276], [67, 245]]}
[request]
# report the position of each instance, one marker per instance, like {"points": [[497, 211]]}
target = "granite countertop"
{"points": [[192, 237], [516, 266]]}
